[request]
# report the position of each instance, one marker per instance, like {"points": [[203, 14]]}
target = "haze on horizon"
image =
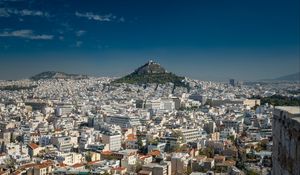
{"points": [[208, 40]]}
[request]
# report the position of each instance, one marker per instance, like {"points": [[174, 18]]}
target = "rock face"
{"points": [[286, 140], [150, 68], [57, 75], [152, 72]]}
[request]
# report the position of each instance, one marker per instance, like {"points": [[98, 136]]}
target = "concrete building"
{"points": [[286, 141], [190, 135], [180, 163], [64, 109], [124, 121], [159, 146], [232, 82], [113, 139], [167, 104], [235, 124], [251, 102], [43, 168], [70, 158], [5, 137], [210, 127], [45, 140], [199, 97], [63, 143], [177, 102], [163, 168]]}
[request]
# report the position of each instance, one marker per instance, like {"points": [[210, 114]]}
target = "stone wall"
{"points": [[286, 141]]}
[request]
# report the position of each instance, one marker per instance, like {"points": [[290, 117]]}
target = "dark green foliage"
{"points": [[231, 138], [251, 172], [158, 78], [88, 157], [152, 73], [209, 152], [279, 100]]}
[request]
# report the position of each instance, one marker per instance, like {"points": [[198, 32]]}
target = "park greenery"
{"points": [[279, 100]]}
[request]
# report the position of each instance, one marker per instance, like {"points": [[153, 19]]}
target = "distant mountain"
{"points": [[290, 77], [57, 75], [152, 72]]}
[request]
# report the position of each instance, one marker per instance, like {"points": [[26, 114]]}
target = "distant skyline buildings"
{"points": [[213, 40]]}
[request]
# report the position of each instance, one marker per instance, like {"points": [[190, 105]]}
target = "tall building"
{"points": [[177, 102], [286, 140], [232, 82], [210, 127]]}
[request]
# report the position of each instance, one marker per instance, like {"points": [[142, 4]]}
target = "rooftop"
{"points": [[33, 146]]}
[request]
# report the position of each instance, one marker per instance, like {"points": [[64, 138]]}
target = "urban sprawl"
{"points": [[93, 126]]}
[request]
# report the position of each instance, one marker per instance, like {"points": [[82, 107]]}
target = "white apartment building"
{"points": [[113, 140], [124, 121], [190, 135], [63, 143], [70, 158]]}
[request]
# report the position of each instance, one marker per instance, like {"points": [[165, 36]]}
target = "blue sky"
{"points": [[207, 39]]}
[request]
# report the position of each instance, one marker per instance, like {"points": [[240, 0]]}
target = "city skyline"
{"points": [[202, 40], [149, 87]]}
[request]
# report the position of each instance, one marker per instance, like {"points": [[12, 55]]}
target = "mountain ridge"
{"points": [[57, 75], [289, 77]]}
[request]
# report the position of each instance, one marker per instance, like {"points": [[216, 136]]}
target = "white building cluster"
{"points": [[91, 126]]}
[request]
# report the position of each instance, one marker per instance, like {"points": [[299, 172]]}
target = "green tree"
{"points": [[88, 156]]}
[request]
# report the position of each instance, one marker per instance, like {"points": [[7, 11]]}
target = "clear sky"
{"points": [[203, 39]]}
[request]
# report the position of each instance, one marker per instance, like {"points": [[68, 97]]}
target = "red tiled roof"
{"points": [[33, 145], [44, 164], [131, 137], [155, 153], [145, 156], [93, 162], [106, 152], [58, 130], [77, 165], [29, 165]]}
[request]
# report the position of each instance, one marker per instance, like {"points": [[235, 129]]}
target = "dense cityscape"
{"points": [[58, 123], [149, 87]]}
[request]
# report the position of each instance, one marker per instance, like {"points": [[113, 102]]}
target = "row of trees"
{"points": [[279, 100]]}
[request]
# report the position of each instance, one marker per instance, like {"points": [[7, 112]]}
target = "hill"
{"points": [[57, 75], [290, 77], [152, 72]]}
